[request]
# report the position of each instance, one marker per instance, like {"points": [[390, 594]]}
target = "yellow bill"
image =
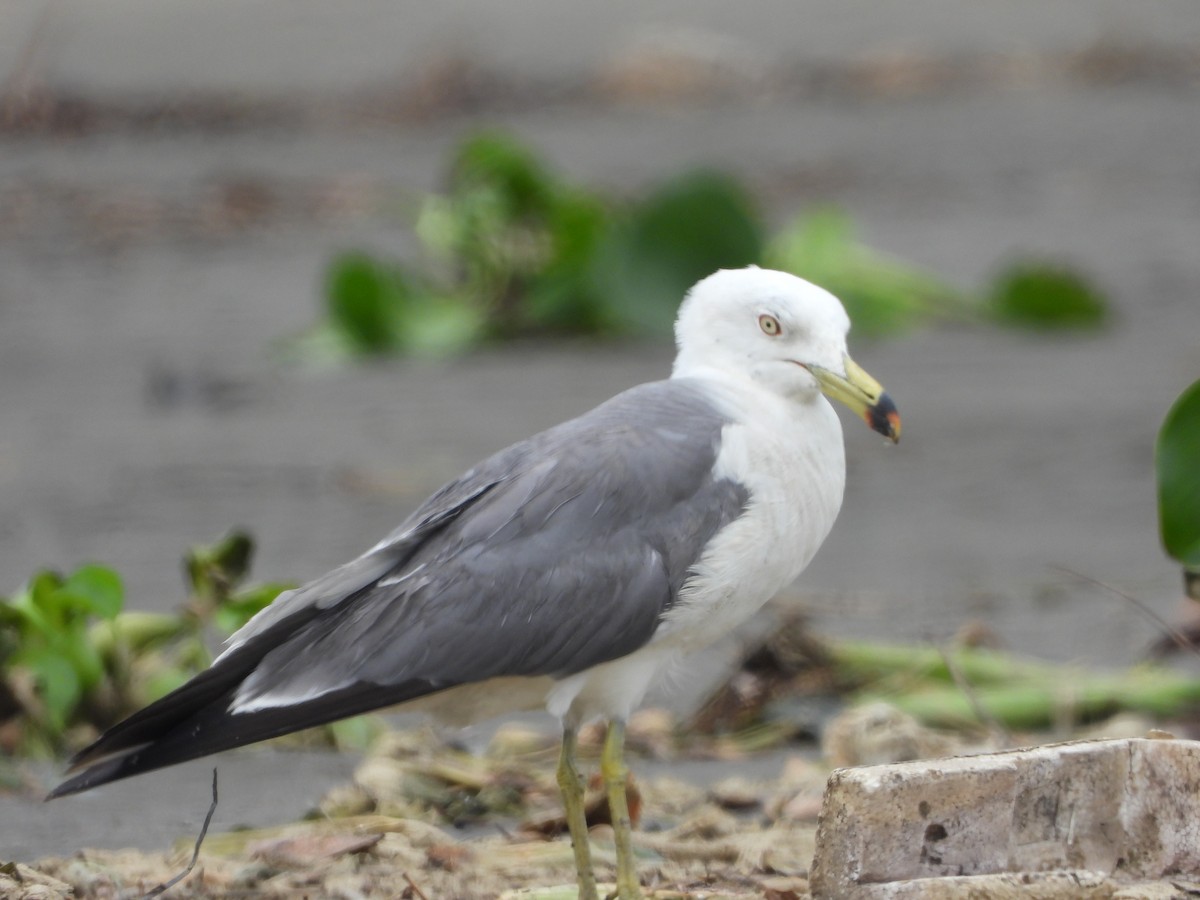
{"points": [[863, 394]]}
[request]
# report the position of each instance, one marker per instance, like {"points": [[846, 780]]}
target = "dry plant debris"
{"points": [[422, 819]]}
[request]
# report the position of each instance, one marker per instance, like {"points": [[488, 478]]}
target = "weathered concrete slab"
{"points": [[1097, 813]]}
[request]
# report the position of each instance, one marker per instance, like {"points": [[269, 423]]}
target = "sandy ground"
{"points": [[154, 247]]}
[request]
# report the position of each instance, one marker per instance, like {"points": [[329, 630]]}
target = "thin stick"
{"points": [[196, 850], [412, 884], [993, 724], [1178, 637]]}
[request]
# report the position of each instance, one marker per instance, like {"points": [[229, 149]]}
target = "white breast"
{"points": [[791, 460]]}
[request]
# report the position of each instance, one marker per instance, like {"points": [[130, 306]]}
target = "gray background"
{"points": [[167, 220]]}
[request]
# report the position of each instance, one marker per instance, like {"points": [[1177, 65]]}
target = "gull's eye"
{"points": [[770, 325]]}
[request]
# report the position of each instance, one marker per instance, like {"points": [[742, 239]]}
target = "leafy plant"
{"points": [[506, 252], [45, 639], [73, 662], [512, 249], [659, 247], [1178, 467], [516, 239], [376, 308], [928, 682], [215, 573], [366, 300]]}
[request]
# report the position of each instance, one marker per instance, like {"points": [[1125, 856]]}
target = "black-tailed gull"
{"points": [[569, 569]]}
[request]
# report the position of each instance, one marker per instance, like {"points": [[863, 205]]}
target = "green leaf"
{"points": [[882, 295], [98, 587], [685, 230], [357, 733], [161, 681], [364, 299], [58, 684], [1178, 468], [11, 626], [15, 616], [564, 295], [137, 631], [232, 555], [213, 570], [239, 609], [438, 227], [42, 601], [1046, 296], [440, 326], [499, 162], [82, 655]]}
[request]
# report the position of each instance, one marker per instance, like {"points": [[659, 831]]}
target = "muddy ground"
{"points": [[173, 181]]}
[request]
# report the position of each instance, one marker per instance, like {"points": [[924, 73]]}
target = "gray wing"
{"points": [[554, 555], [559, 553]]}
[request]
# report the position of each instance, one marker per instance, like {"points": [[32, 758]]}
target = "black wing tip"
{"points": [[93, 776], [64, 789]]}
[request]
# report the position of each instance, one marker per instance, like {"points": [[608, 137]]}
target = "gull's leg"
{"points": [[570, 782], [612, 767]]}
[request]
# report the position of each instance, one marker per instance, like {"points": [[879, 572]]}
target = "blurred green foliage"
{"points": [[882, 295], [512, 249], [513, 241], [73, 662], [657, 248], [44, 634], [215, 574], [1178, 467], [1046, 295]]}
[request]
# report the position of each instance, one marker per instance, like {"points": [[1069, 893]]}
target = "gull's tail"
{"points": [[197, 720]]}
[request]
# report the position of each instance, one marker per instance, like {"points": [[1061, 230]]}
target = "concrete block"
{"points": [[1119, 811]]}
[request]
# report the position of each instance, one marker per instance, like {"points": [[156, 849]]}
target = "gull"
{"points": [[570, 570]]}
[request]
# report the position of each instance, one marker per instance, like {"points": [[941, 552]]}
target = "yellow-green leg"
{"points": [[612, 768], [570, 782]]}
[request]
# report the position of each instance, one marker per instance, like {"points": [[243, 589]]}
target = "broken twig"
{"points": [[1177, 637], [993, 724], [412, 884], [167, 885]]}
